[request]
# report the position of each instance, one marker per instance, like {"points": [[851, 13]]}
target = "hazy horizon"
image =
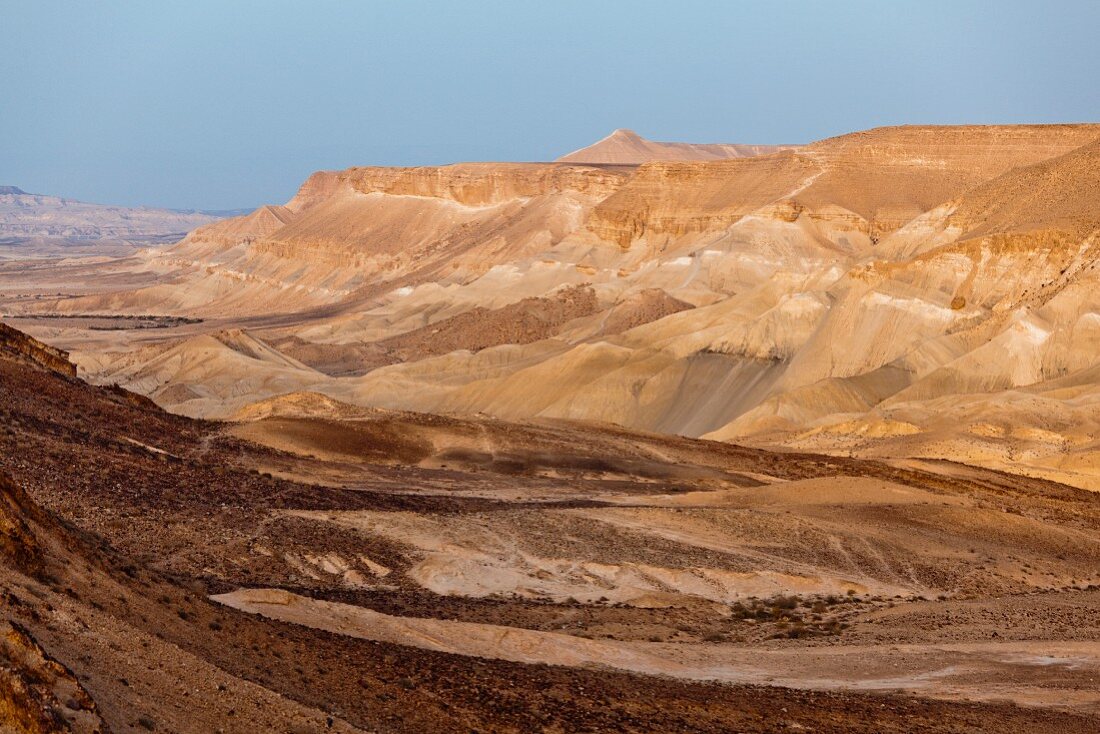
{"points": [[203, 106]]}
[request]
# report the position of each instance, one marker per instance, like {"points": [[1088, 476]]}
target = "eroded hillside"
{"points": [[910, 291], [325, 567]]}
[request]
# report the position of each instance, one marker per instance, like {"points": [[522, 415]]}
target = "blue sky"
{"points": [[232, 103]]}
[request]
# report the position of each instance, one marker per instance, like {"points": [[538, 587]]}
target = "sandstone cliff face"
{"points": [[666, 200], [469, 184], [266, 220], [486, 184], [1054, 195], [408, 212], [320, 186], [891, 175], [1019, 243], [348, 232], [985, 310], [351, 230], [875, 181], [19, 344]]}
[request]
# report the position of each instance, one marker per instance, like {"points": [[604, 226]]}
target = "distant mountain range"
{"points": [[38, 225]]}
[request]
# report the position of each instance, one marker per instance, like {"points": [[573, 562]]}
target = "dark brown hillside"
{"points": [[119, 519]]}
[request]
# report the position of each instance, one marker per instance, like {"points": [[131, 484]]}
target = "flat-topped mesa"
{"points": [[1015, 242], [1058, 195], [348, 230], [485, 184], [387, 218], [468, 184], [991, 145], [876, 180], [627, 147], [671, 199], [890, 175]]}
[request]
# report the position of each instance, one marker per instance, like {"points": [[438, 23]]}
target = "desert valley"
{"points": [[912, 292], [653, 437]]}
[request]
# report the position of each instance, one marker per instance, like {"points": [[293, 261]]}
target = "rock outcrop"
{"points": [[16, 343], [39, 695], [19, 547]]}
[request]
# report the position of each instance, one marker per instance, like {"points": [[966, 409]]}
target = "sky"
{"points": [[231, 103]]}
